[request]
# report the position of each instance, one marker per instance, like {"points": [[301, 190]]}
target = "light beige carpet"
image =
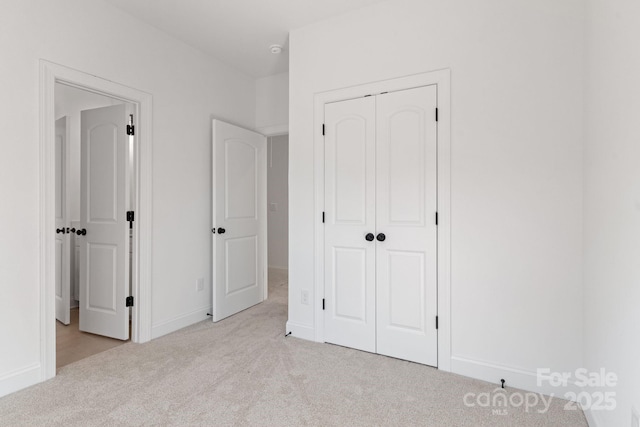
{"points": [[243, 371]]}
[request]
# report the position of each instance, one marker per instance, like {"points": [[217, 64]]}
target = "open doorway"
{"points": [[139, 317], [278, 210], [94, 173]]}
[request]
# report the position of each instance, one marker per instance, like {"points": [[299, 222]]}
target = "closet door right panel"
{"points": [[406, 154]]}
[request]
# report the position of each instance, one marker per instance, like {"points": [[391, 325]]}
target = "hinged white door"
{"points": [[406, 276], [349, 216], [63, 246], [239, 219], [104, 249]]}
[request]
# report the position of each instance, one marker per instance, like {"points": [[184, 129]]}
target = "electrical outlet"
{"points": [[304, 297], [635, 417], [200, 284]]}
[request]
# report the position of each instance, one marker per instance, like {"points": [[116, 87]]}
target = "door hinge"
{"points": [[436, 114], [323, 129], [129, 302], [323, 303], [130, 218], [436, 322], [323, 217], [436, 218], [130, 126]]}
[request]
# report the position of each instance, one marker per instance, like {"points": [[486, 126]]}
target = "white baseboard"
{"points": [[297, 330], [20, 378], [592, 419], [166, 327], [514, 378]]}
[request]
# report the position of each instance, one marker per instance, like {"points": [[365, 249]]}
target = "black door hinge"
{"points": [[323, 129], [130, 126], [130, 218], [436, 114], [436, 322], [129, 302], [436, 218], [323, 303], [323, 217]]}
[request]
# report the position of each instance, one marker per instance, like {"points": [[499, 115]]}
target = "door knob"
{"points": [[221, 230], [381, 237], [369, 237], [61, 230], [81, 231]]}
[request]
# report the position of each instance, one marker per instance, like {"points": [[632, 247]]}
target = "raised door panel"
{"points": [[349, 285], [60, 178], [349, 171], [102, 277], [59, 244], [102, 170], [406, 289], [241, 180], [241, 256], [405, 160]]}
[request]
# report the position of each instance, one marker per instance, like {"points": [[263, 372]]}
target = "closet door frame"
{"points": [[442, 79]]}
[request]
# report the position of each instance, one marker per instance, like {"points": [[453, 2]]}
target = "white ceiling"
{"points": [[238, 32]]}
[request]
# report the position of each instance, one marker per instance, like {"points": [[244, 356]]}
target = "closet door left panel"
{"points": [[350, 216]]}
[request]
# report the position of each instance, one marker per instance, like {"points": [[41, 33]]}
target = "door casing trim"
{"points": [[441, 78], [50, 74]]}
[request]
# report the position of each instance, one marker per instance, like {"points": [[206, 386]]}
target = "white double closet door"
{"points": [[380, 224]]}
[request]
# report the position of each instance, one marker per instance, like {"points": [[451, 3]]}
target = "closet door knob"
{"points": [[81, 231], [369, 237], [221, 230], [381, 237], [61, 230]]}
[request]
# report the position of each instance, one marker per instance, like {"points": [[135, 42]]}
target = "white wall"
{"points": [[70, 102], [278, 194], [272, 104], [612, 202], [188, 89], [517, 123]]}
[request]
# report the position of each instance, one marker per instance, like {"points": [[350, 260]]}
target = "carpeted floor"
{"points": [[243, 371]]}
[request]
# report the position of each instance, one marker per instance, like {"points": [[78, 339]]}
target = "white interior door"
{"points": [[239, 219], [349, 218], [63, 246], [406, 276], [104, 249]]}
